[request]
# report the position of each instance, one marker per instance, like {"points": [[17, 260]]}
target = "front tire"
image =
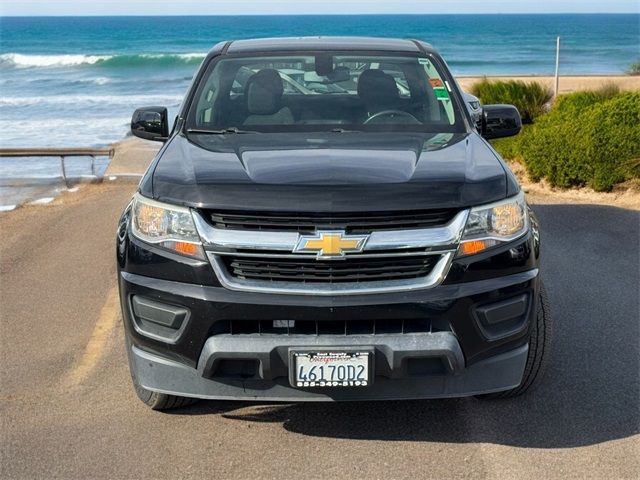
{"points": [[161, 401], [539, 351]]}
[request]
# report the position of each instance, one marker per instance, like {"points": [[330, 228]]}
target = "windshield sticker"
{"points": [[436, 82], [441, 93], [423, 61]]}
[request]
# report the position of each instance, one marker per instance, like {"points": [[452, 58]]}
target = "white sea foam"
{"points": [[110, 100], [95, 81], [21, 60], [63, 132], [189, 56], [42, 201], [184, 56]]}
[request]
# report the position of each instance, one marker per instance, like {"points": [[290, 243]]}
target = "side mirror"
{"points": [[500, 121], [150, 123]]}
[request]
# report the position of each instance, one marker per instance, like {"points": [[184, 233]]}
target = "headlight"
{"points": [[490, 225], [167, 226]]}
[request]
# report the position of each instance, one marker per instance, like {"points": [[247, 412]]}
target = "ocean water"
{"points": [[75, 81]]}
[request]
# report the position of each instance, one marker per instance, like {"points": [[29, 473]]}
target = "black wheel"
{"points": [[539, 351], [155, 400], [161, 401]]}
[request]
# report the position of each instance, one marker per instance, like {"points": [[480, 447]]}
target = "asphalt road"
{"points": [[68, 409]]}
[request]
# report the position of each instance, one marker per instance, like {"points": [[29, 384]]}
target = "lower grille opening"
{"points": [[418, 367], [310, 270], [329, 327], [232, 368]]}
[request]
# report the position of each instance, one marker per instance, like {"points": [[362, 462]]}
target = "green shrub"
{"points": [[577, 101], [588, 138], [634, 69], [614, 150], [530, 98], [608, 90]]}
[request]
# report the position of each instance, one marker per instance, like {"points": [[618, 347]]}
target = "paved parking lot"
{"points": [[68, 409]]}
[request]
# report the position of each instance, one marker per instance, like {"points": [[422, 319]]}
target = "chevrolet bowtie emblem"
{"points": [[330, 244]]}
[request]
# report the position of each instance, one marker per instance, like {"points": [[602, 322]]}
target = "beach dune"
{"points": [[567, 84]]}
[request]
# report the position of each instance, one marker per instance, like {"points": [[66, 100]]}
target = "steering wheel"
{"points": [[391, 113]]}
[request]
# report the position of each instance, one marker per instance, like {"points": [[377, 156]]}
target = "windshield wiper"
{"points": [[220, 132], [238, 131], [344, 130]]}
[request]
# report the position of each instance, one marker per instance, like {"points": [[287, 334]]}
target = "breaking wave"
{"points": [[85, 100], [18, 60]]}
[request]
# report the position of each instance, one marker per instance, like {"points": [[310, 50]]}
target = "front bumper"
{"points": [[498, 373], [461, 360]]}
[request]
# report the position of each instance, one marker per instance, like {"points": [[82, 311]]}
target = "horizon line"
{"points": [[316, 14]]}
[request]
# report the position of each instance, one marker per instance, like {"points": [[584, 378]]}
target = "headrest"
{"points": [[264, 92], [378, 90]]}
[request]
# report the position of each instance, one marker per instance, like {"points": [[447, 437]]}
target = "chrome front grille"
{"points": [[268, 261]]}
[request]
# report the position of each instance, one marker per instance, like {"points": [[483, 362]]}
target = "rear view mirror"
{"points": [[324, 64], [340, 74], [150, 123], [500, 121]]}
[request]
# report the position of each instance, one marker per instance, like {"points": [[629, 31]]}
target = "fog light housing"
{"points": [[157, 320]]}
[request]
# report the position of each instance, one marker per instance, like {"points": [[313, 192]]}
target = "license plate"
{"points": [[330, 369]]}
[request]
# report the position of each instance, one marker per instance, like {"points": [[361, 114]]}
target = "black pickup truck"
{"points": [[325, 221]]}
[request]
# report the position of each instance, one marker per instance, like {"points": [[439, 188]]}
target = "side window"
{"points": [[289, 88], [237, 88], [240, 80], [205, 103]]}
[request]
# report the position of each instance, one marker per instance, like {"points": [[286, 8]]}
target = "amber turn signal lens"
{"points": [[187, 248], [472, 246]]}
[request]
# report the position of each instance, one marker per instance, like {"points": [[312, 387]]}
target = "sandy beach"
{"points": [[567, 84]]}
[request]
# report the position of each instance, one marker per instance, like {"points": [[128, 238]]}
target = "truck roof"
{"points": [[322, 43]]}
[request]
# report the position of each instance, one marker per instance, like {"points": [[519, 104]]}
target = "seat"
{"points": [[263, 93], [378, 91]]}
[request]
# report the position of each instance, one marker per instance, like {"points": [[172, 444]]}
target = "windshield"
{"points": [[324, 92]]}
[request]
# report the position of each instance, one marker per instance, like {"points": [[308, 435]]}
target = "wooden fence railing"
{"points": [[60, 153]]}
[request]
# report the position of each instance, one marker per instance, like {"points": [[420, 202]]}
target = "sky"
{"points": [[260, 7]]}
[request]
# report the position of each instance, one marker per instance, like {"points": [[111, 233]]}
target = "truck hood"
{"points": [[333, 172]]}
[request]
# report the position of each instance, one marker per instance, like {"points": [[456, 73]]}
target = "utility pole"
{"points": [[557, 66]]}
